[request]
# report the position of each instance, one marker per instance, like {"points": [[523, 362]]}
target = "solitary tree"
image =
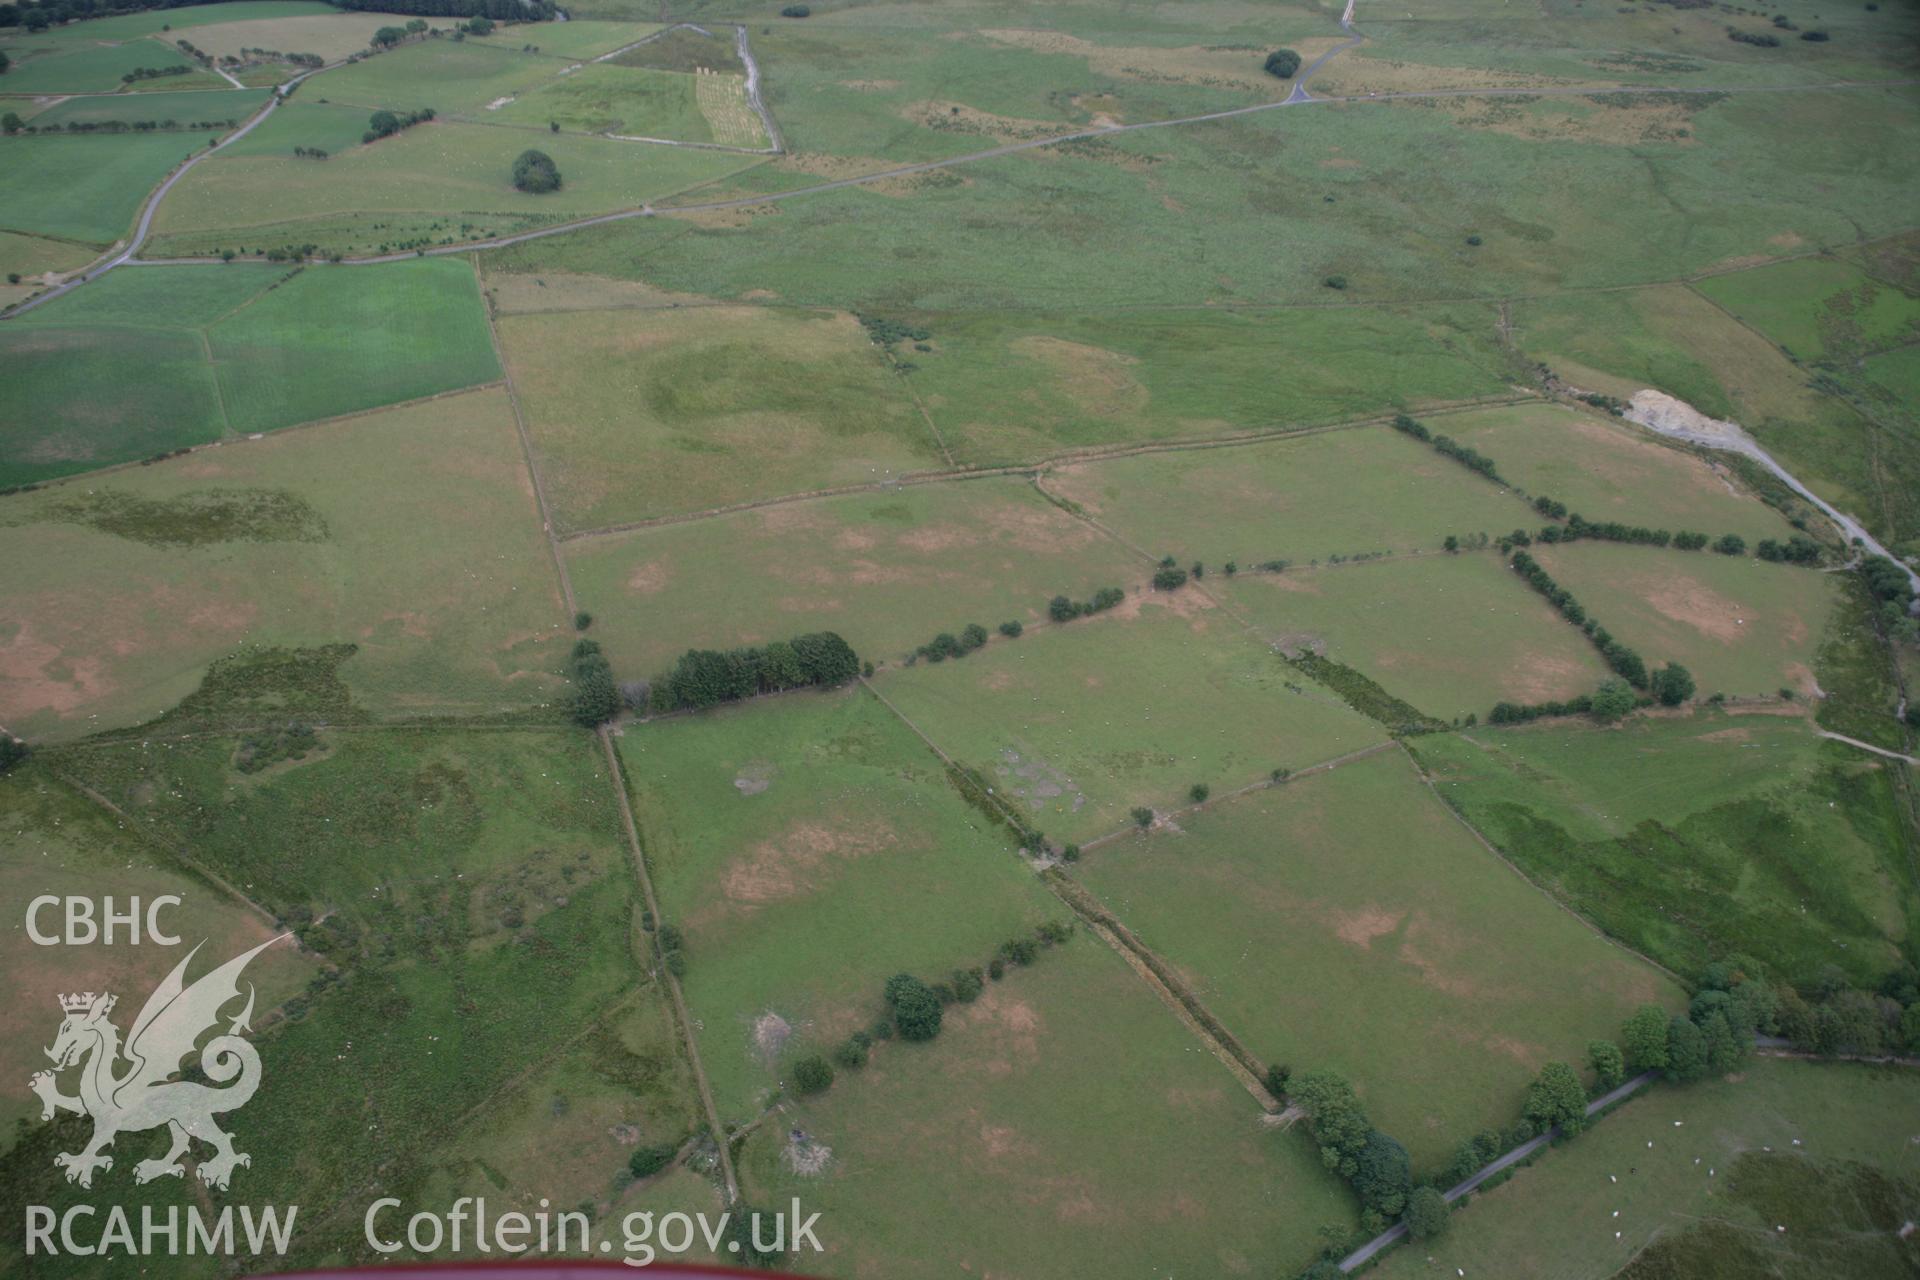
{"points": [[1283, 63], [1672, 684], [535, 173], [813, 1074], [916, 1009]]}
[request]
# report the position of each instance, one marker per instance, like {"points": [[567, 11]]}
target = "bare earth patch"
{"points": [[791, 864]]}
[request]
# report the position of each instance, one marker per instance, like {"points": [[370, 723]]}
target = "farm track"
{"points": [[1299, 96]]}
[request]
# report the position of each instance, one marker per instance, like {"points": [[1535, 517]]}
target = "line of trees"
{"points": [[384, 124], [708, 677], [498, 10], [153, 73], [1470, 458], [947, 645], [13, 124], [1372, 1162], [1063, 609], [1627, 664], [915, 1008]]}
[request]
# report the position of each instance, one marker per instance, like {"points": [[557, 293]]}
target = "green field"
{"points": [[477, 888], [330, 34], [56, 839], [1741, 626], [1452, 635], [1007, 387], [86, 189], [453, 79], [126, 588], [1341, 918], [1608, 470], [331, 342], [576, 39], [1819, 308], [187, 109], [887, 571], [1692, 838], [1339, 493], [190, 354], [1788, 1169], [1064, 1124], [1078, 724], [811, 848], [33, 256], [432, 184], [1672, 339], [604, 98], [75, 66], [637, 413]]}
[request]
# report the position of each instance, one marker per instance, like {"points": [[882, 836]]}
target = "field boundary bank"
{"points": [[1426, 779], [1222, 1044], [641, 944], [1090, 454]]}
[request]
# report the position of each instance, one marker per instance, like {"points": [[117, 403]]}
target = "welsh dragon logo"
{"points": [[125, 1088]]}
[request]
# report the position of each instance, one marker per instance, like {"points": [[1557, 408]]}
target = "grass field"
{"points": [[1608, 470], [682, 49], [578, 39], [58, 842], [475, 886], [1695, 837], [810, 848], [86, 189], [185, 355], [126, 588], [1787, 1169], [74, 66], [432, 184], [887, 571], [1016, 1120], [31, 257], [1078, 724], [332, 35], [604, 98], [1673, 339], [188, 109], [1450, 634], [453, 79], [1819, 308], [1741, 626], [404, 331], [1008, 387], [1339, 493], [646, 413], [1343, 917]]}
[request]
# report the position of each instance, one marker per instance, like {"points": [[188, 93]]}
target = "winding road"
{"points": [[1299, 97]]}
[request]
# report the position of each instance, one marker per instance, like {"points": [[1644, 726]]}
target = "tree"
{"points": [[813, 1074], [796, 11], [1143, 817], [1012, 629], [481, 26], [1730, 544], [1199, 792], [1557, 1100], [1283, 63], [1686, 1051], [535, 173], [1335, 1116], [383, 124], [1384, 1176], [916, 1010], [12, 751], [1724, 1052], [1672, 684], [649, 1160], [1608, 1064], [1645, 1037], [596, 697], [1613, 699], [1169, 578], [1277, 1076], [11, 122], [387, 37], [1426, 1213]]}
